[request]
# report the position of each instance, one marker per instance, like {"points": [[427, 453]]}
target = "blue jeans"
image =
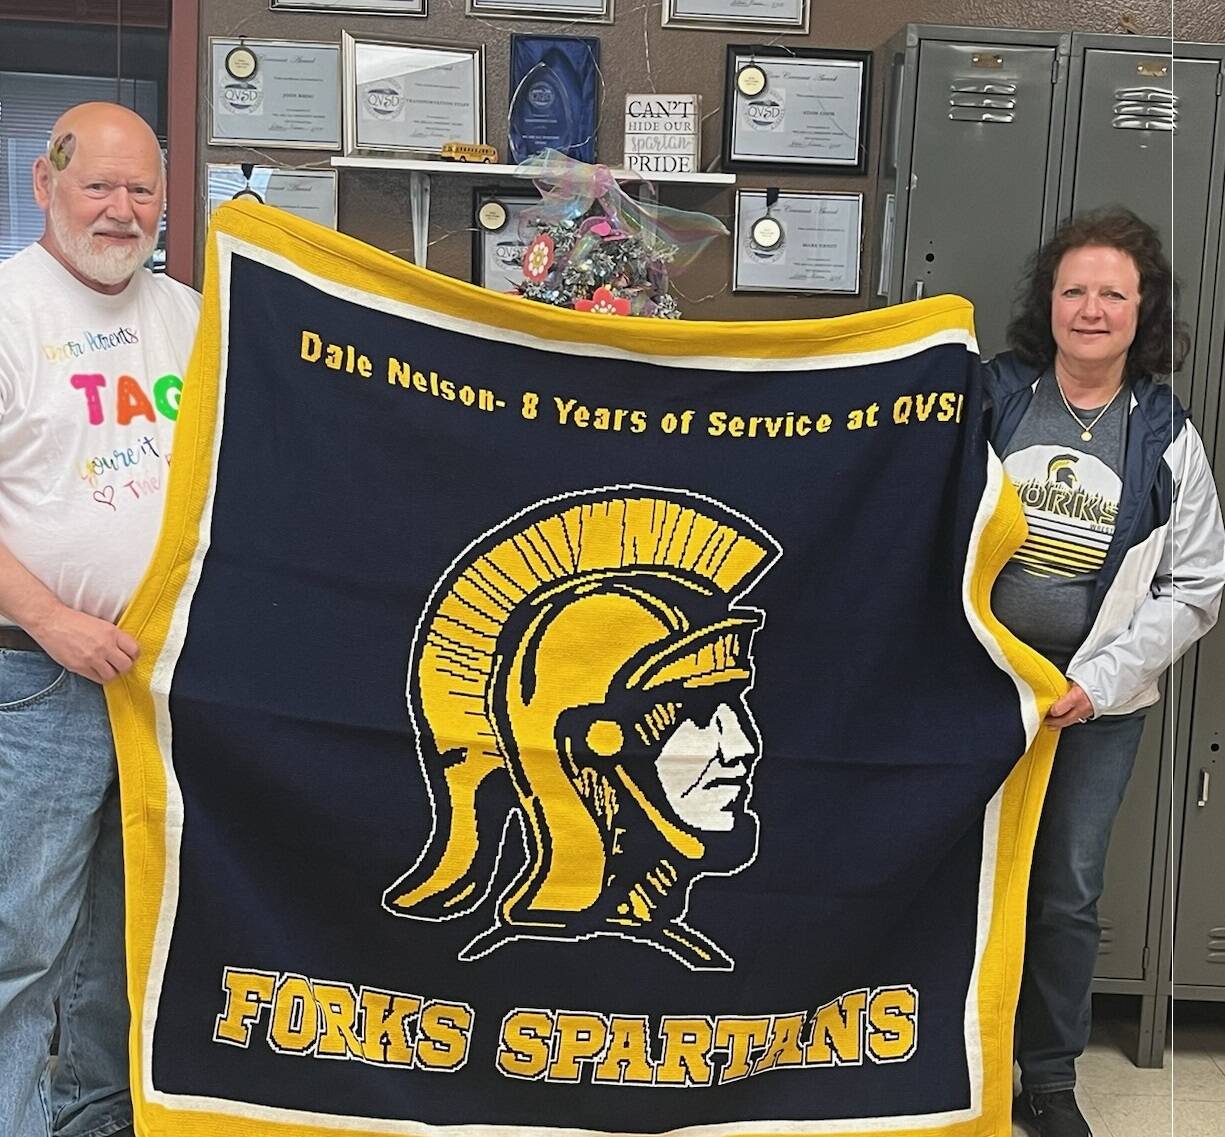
{"points": [[61, 906], [1092, 765]]}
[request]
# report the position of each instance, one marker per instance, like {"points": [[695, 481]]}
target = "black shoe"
{"points": [[1056, 1115]]}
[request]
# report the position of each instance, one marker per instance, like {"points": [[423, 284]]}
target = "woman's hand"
{"points": [[1068, 709]]}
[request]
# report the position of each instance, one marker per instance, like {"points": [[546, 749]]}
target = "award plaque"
{"points": [[797, 241], [589, 11], [796, 108], [309, 194], [498, 239], [369, 7], [274, 93], [554, 96], [412, 97], [734, 15]]}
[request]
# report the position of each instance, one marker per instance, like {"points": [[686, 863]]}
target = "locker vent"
{"points": [[1216, 945], [971, 101], [1145, 108], [1107, 940]]}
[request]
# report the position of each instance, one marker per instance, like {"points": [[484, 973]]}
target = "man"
{"points": [[92, 350]]}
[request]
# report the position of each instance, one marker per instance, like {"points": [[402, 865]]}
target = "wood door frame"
{"points": [[182, 110]]}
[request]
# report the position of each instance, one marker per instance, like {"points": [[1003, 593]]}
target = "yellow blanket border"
{"points": [[348, 262]]}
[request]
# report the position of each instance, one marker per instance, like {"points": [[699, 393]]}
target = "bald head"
{"points": [[101, 187], [94, 129]]}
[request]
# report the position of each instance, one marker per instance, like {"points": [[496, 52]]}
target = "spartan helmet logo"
{"points": [[582, 669], [1062, 470]]}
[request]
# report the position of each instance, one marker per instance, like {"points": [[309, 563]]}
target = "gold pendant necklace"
{"points": [[1086, 431]]}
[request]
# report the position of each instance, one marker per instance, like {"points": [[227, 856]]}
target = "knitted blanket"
{"points": [[558, 724]]}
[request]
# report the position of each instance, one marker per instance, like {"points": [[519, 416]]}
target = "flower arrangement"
{"points": [[595, 249]]}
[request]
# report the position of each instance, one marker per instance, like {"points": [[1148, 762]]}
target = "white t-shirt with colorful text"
{"points": [[89, 395]]}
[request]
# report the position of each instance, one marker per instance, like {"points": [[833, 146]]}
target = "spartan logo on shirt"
{"points": [[1070, 501], [579, 677]]}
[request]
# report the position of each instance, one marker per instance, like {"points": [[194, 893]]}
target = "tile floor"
{"points": [[1184, 1099]]}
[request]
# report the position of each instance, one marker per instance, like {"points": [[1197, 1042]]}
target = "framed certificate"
{"points": [[274, 93], [589, 11], [373, 7], [412, 97], [738, 15], [802, 242], [497, 243], [796, 109], [310, 194]]}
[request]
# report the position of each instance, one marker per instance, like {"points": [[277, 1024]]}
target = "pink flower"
{"points": [[539, 258], [605, 303], [603, 228]]}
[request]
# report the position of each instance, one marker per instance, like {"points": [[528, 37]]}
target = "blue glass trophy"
{"points": [[554, 96]]}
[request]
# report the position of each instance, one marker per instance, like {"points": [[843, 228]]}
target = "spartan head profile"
{"points": [[580, 675]]}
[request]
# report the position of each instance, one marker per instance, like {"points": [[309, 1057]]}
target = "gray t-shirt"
{"points": [[1070, 489]]}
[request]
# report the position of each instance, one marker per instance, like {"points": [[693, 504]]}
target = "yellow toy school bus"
{"points": [[469, 152]]}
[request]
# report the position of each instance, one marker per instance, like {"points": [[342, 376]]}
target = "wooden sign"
{"points": [[663, 133]]}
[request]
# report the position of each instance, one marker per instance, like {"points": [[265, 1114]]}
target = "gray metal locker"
{"points": [[1199, 942], [1199, 916], [970, 156], [1190, 964], [1122, 118]]}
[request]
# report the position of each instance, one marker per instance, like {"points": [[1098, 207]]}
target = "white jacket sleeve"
{"points": [[1181, 603]]}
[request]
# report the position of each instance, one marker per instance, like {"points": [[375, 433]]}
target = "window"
{"points": [[29, 105]]}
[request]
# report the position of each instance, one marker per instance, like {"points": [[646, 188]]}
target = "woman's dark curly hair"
{"points": [[1162, 340]]}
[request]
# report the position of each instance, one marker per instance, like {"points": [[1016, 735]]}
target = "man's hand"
{"points": [[91, 647], [1071, 708]]}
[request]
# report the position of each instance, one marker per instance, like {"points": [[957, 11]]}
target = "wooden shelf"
{"points": [[419, 172], [502, 170]]}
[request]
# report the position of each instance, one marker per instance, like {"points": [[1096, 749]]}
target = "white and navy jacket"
{"points": [[1159, 588]]}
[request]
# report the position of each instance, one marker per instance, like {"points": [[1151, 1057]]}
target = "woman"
{"points": [[1121, 572]]}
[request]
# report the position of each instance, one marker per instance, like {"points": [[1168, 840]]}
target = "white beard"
{"points": [[109, 266]]}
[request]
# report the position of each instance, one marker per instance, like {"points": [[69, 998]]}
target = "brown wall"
{"points": [[374, 206]]}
